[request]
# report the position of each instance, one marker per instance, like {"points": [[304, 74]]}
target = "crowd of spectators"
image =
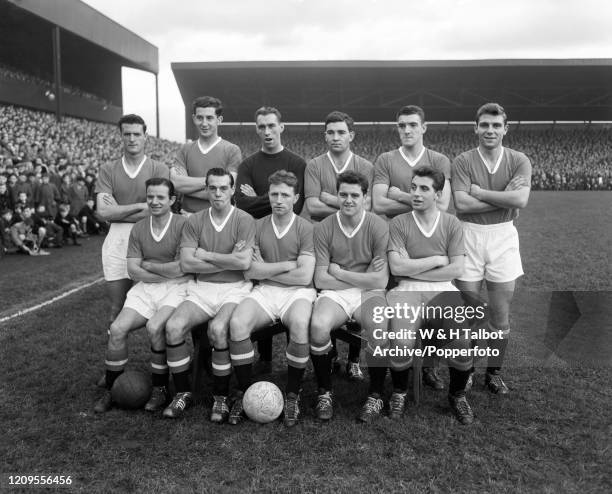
{"points": [[47, 177], [48, 169]]}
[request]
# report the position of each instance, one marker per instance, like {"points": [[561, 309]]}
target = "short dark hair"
{"points": [[339, 116], [161, 181], [411, 110], [352, 177], [132, 118], [436, 175], [219, 172], [284, 177], [268, 110], [494, 109], [207, 102]]}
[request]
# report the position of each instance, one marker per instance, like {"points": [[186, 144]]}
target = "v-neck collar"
{"points": [[346, 163], [219, 227], [138, 168], [209, 148], [497, 163], [420, 226], [277, 232], [159, 237], [357, 228], [416, 160]]}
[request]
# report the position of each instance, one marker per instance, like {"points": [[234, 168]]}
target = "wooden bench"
{"points": [[349, 333]]}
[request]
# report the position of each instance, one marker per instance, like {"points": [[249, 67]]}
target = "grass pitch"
{"points": [[552, 434]]}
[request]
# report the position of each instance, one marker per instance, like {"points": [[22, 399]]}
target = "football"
{"points": [[263, 402], [131, 390]]}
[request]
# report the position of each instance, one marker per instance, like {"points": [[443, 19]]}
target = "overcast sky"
{"points": [[199, 31]]}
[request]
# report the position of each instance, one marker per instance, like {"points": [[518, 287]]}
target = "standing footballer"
{"points": [[208, 151], [320, 189], [392, 188], [490, 184]]}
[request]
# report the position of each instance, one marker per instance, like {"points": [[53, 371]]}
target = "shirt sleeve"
{"points": [[397, 235], [103, 182], [381, 171], [381, 238], [443, 165], [306, 241], [312, 180], [246, 230], [321, 246], [134, 246], [523, 167], [460, 177], [191, 233], [180, 160], [456, 244], [234, 158]]}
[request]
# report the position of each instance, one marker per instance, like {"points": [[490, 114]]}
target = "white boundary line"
{"points": [[50, 301]]}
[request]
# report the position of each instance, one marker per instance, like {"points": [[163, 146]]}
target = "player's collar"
{"points": [[357, 228], [219, 227], [125, 166], [408, 160], [159, 237], [278, 233], [346, 163], [497, 163], [422, 228], [208, 149]]}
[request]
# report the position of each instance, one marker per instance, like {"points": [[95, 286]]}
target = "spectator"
{"points": [[24, 236], [69, 224]]}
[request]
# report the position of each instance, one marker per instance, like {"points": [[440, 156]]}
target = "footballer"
{"points": [[426, 252], [491, 183], [153, 263], [217, 245], [351, 262], [283, 264], [320, 189]]}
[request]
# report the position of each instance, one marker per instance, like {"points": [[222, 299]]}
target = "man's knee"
{"points": [[319, 328], [240, 326], [218, 333], [118, 334], [154, 329], [175, 328]]}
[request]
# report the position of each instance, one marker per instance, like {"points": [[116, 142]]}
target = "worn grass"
{"points": [[552, 434]]}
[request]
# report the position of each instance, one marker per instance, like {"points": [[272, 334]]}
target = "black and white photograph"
{"points": [[306, 246]]}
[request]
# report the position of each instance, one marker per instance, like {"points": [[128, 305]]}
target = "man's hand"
{"points": [[377, 264], [247, 190], [109, 200], [200, 254], [240, 245], [146, 265], [394, 193], [442, 261], [518, 182], [475, 191], [334, 269], [256, 257]]}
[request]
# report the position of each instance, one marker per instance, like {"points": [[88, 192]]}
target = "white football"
{"points": [[263, 402]]}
